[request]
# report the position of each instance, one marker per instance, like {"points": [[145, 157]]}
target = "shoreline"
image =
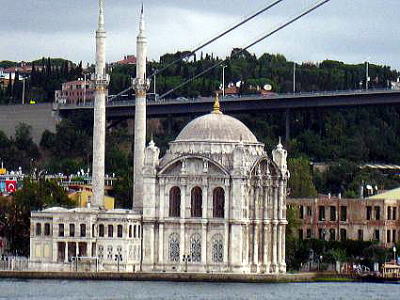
{"points": [[184, 277]]}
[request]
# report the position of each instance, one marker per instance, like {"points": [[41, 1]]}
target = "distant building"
{"points": [[128, 60], [84, 195], [75, 92], [333, 218]]}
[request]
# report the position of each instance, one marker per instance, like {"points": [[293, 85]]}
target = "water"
{"points": [[58, 289]]}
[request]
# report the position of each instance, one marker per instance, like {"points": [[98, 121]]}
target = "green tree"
{"points": [[300, 182], [35, 195]]}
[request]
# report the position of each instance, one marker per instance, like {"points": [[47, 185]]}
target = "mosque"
{"points": [[215, 202]]}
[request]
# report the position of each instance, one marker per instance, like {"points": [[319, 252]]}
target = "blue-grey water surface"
{"points": [[58, 289]]}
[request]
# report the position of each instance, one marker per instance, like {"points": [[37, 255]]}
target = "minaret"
{"points": [[140, 85], [101, 80]]}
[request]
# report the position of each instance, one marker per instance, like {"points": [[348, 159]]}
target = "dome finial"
{"points": [[217, 106]]}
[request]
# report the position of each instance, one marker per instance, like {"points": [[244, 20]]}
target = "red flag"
{"points": [[11, 186]]}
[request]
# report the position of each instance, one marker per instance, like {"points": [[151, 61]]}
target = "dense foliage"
{"points": [[15, 211], [46, 77]]}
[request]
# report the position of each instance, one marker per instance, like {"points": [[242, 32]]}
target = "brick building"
{"points": [[333, 218]]}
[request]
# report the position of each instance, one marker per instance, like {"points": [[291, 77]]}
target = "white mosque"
{"points": [[216, 202]]}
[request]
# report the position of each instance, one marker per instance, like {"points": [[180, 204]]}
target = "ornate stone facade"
{"points": [[215, 202], [85, 239]]}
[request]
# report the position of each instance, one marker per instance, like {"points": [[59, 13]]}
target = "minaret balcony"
{"points": [[140, 84], [100, 80]]}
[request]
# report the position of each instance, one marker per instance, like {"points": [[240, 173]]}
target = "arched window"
{"points": [[175, 202], [219, 202], [217, 249], [83, 230], [101, 230], [119, 231], [173, 245], [110, 231], [38, 229], [195, 247], [196, 201], [47, 229]]}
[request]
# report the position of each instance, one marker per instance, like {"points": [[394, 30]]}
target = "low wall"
{"points": [[39, 116]]}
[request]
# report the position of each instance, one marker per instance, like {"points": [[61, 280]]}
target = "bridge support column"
{"points": [[287, 125]]}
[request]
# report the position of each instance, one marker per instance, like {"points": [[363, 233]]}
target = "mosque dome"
{"points": [[216, 127]]}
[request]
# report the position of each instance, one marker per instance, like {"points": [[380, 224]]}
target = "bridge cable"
{"points": [[308, 11], [192, 52]]}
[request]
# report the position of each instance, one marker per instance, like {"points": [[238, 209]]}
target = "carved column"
{"points": [[161, 245], [162, 212], [204, 244]]}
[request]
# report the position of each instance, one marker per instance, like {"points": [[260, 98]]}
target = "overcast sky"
{"points": [[352, 31]]}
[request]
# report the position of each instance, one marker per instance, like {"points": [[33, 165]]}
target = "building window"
{"points": [[196, 201], [219, 202], [309, 211], [388, 236], [321, 234], [101, 252], [60, 229], [119, 231], [301, 212], [139, 233], [321, 216], [109, 252], [343, 234], [376, 235], [72, 230], [301, 236], [377, 213], [134, 231], [110, 230], [47, 229], [130, 231], [332, 214], [308, 233], [343, 213], [332, 234], [101, 230], [38, 229], [83, 230], [360, 235], [175, 202], [195, 247], [93, 230], [394, 213], [394, 235], [173, 243], [369, 212], [217, 249], [389, 213]]}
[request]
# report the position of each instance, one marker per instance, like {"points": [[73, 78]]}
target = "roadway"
{"points": [[243, 104]]}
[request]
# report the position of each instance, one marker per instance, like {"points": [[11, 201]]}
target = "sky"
{"points": [[352, 31]]}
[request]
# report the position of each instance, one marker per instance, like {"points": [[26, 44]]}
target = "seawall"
{"points": [[178, 277]]}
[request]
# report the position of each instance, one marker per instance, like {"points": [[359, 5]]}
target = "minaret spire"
{"points": [[101, 16], [101, 80], [140, 85]]}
